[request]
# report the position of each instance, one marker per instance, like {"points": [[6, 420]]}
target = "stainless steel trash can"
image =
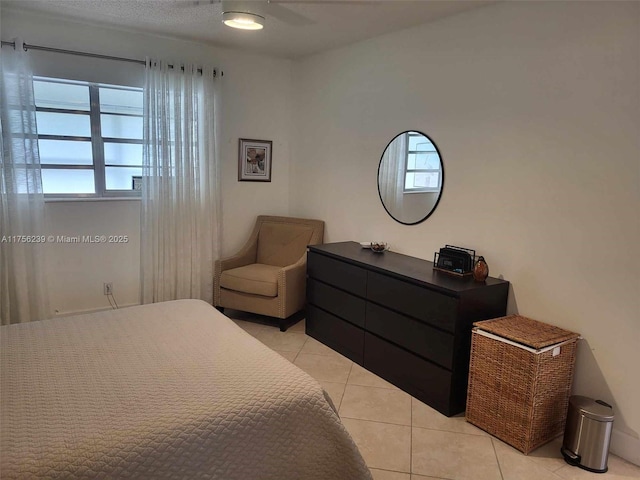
{"points": [[587, 433]]}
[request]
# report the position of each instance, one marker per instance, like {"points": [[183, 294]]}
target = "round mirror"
{"points": [[410, 177]]}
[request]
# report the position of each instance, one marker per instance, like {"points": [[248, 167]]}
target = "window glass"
{"points": [[426, 161], [422, 146], [61, 95], [120, 126], [415, 180], [118, 100], [121, 178], [122, 154], [67, 181], [63, 124], [411, 161], [418, 142], [66, 152]]}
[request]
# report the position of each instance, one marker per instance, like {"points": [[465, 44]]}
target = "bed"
{"points": [[163, 391]]}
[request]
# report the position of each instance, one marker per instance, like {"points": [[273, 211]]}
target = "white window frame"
{"points": [[408, 170], [97, 142]]}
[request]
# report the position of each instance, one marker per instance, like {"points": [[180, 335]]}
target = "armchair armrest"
{"points": [[240, 259], [292, 286], [247, 255]]}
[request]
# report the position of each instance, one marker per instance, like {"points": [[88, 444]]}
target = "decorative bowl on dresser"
{"points": [[399, 318]]}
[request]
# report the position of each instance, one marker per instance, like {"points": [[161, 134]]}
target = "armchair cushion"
{"points": [[256, 279], [281, 243]]}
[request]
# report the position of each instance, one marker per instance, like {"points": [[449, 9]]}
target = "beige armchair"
{"points": [[268, 275]]}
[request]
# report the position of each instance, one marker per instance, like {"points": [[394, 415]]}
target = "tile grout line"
{"points": [[454, 431], [386, 389], [298, 353], [388, 470], [345, 387], [493, 445], [349, 376], [326, 355], [376, 421], [411, 439]]}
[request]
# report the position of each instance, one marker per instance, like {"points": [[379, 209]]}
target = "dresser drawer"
{"points": [[342, 336], [427, 382], [339, 274], [433, 344], [338, 302], [434, 308]]}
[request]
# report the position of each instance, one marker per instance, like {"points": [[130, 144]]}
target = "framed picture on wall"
{"points": [[254, 160], [136, 183]]}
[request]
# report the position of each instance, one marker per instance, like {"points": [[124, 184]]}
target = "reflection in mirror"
{"points": [[410, 177]]}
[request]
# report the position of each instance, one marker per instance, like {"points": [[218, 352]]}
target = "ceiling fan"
{"points": [[251, 14]]}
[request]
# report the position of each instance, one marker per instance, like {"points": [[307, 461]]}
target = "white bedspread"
{"points": [[163, 391]]}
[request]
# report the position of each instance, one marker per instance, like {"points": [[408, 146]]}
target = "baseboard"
{"points": [[625, 446], [91, 310]]}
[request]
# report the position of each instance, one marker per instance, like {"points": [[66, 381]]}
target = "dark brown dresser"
{"points": [[399, 318]]}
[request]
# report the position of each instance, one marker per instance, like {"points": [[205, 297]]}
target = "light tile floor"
{"points": [[401, 438]]}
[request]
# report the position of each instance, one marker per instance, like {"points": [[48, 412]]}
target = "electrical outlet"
{"points": [[108, 288]]}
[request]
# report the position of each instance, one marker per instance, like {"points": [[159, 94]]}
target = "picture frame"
{"points": [[136, 183], [254, 160]]}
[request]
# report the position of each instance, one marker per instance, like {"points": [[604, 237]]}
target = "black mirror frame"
{"points": [[435, 205]]}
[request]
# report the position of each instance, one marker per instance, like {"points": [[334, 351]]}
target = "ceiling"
{"points": [[293, 28]]}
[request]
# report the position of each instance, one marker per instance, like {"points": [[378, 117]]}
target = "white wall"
{"points": [[256, 103], [535, 109]]}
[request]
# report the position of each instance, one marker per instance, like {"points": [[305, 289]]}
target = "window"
{"points": [[422, 172], [89, 136]]}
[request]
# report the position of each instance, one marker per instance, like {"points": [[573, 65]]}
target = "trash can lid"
{"points": [[594, 409]]}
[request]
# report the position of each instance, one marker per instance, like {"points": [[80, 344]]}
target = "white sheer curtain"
{"points": [[23, 293], [180, 227], [391, 175]]}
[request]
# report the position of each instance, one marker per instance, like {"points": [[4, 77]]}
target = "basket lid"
{"points": [[526, 331]]}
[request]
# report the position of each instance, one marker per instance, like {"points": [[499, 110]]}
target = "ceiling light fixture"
{"points": [[243, 20]]}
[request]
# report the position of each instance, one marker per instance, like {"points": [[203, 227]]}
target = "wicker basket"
{"points": [[520, 380]]}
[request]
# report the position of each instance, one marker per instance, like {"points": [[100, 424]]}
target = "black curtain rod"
{"points": [[27, 47]]}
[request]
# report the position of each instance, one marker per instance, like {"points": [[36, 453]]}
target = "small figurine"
{"points": [[480, 270]]}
